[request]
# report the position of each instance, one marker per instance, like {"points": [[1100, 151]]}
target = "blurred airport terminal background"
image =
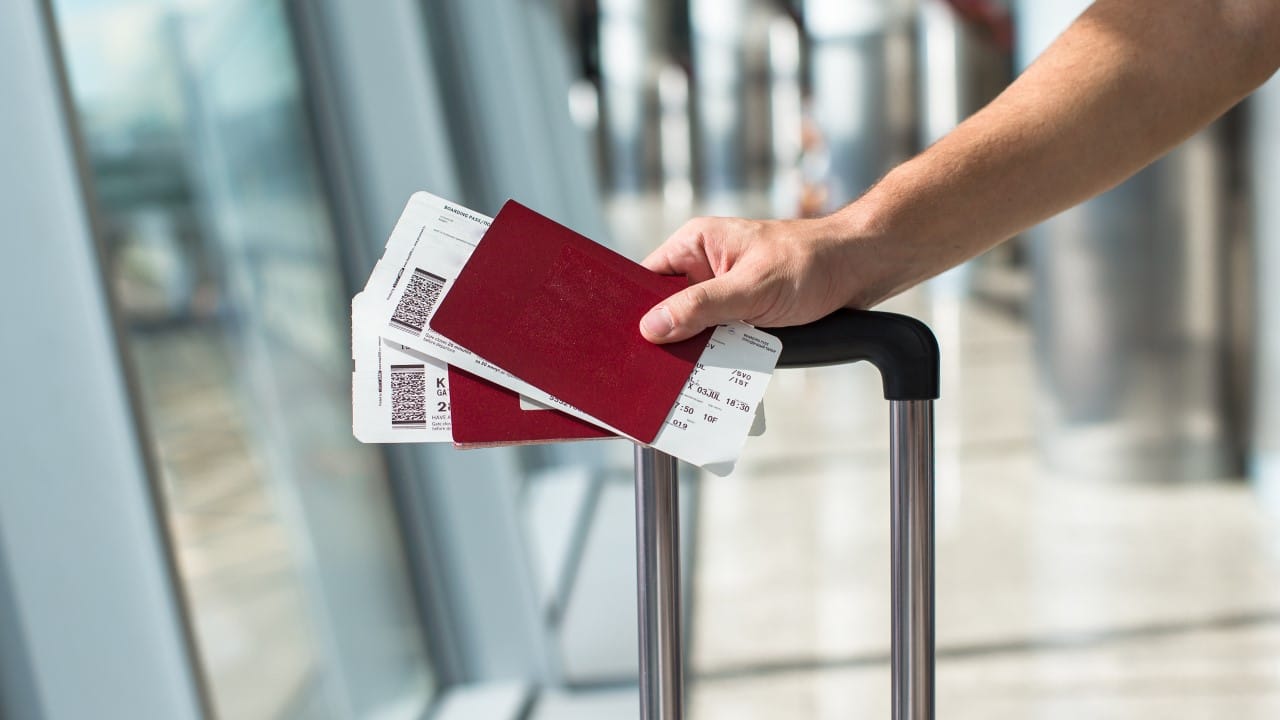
{"points": [[194, 189]]}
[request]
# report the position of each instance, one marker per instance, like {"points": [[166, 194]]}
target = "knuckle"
{"points": [[694, 227], [697, 299], [697, 223]]}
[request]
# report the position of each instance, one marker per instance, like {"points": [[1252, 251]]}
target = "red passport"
{"points": [[562, 313], [484, 413]]}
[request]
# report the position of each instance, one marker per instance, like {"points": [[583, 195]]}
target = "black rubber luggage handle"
{"points": [[902, 348]]}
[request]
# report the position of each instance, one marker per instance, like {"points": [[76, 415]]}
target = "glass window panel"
{"points": [[225, 267]]}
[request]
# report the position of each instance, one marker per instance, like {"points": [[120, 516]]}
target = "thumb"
{"points": [[694, 309]]}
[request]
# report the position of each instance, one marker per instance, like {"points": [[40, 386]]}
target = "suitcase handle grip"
{"points": [[902, 348]]}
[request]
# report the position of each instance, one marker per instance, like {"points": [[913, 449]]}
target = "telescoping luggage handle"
{"points": [[906, 354]]}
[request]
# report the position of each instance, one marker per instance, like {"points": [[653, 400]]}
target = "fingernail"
{"points": [[657, 323]]}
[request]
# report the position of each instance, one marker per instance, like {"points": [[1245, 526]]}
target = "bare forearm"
{"points": [[1127, 82]]}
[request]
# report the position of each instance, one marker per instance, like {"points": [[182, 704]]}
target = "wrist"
{"points": [[891, 235], [868, 248]]}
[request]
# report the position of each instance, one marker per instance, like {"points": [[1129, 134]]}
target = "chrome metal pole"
{"points": [[658, 585], [911, 488]]}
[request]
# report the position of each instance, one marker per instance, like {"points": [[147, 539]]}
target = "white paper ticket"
{"points": [[428, 247], [397, 394]]}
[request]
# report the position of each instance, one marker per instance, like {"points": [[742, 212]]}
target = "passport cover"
{"points": [[562, 313], [484, 413]]}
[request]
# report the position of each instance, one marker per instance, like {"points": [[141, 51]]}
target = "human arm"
{"points": [[1129, 80]]}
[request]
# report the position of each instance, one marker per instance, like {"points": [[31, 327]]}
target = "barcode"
{"points": [[420, 297], [408, 396]]}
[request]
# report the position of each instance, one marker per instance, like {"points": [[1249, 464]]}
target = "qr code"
{"points": [[420, 296], [408, 396]]}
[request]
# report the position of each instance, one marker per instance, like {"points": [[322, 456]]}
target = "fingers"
{"points": [[690, 311], [660, 261], [711, 300], [682, 254]]}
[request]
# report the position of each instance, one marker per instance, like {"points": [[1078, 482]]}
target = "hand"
{"points": [[770, 273]]}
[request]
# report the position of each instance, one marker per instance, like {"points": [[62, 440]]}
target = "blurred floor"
{"points": [[248, 603], [1058, 597]]}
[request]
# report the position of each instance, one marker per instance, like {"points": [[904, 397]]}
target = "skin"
{"points": [[1128, 81]]}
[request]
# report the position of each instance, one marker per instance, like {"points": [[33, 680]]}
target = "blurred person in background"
{"points": [[1127, 82]]}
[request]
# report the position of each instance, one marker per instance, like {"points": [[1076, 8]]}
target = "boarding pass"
{"points": [[397, 395]]}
